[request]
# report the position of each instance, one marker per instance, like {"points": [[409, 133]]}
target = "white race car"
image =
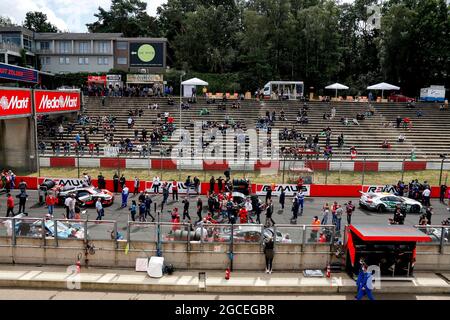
{"points": [[387, 202]]}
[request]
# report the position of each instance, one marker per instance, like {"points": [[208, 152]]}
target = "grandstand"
{"points": [[427, 134]]}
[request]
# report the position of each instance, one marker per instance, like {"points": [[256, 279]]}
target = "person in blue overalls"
{"points": [[301, 198], [364, 282]]}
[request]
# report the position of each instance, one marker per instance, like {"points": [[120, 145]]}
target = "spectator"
{"points": [[282, 198], [148, 207], [22, 196], [100, 210], [426, 197], [136, 186], [269, 254], [122, 181], [269, 213], [349, 208], [116, 183], [315, 229], [9, 205], [125, 193], [175, 190], [133, 210], [186, 209]]}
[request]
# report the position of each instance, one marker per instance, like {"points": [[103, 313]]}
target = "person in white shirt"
{"points": [[401, 138], [100, 210], [66, 204], [426, 197], [125, 192]]}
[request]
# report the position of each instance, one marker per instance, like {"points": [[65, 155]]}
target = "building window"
{"points": [[45, 45], [122, 45], [64, 60], [83, 47], [64, 47], [83, 60], [45, 61], [122, 61], [103, 60], [103, 47]]}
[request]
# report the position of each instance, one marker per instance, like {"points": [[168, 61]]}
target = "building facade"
{"points": [[82, 52]]}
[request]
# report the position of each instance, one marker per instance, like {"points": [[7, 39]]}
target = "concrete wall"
{"points": [[17, 144], [207, 256]]}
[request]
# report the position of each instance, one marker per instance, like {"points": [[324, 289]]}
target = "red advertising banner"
{"points": [[101, 79], [56, 101], [15, 103]]}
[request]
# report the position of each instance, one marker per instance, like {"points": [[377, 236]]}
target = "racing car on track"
{"points": [[387, 202], [85, 195]]}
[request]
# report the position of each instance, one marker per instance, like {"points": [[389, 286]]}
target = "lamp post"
{"points": [[183, 73]]}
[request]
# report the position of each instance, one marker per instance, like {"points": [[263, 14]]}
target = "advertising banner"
{"points": [[144, 78], [15, 73], [289, 189], [65, 182], [97, 79], [148, 54], [386, 188], [15, 103], [56, 101], [182, 189]]}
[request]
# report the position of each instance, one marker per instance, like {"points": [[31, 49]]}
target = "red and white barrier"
{"points": [[210, 165], [313, 190]]}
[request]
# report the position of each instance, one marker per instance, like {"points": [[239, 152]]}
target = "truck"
{"points": [[433, 94]]}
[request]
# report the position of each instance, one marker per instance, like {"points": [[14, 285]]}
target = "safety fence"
{"points": [[166, 232], [440, 235], [162, 232]]}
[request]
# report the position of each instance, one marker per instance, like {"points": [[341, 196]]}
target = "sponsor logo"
{"points": [[67, 182], [289, 189], [61, 102], [14, 103], [386, 189]]}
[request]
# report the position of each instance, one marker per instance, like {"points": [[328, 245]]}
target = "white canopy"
{"points": [[336, 86], [190, 84], [383, 86], [194, 82]]}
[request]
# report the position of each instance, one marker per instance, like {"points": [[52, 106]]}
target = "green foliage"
{"points": [[37, 21], [125, 16], [317, 41], [5, 22]]}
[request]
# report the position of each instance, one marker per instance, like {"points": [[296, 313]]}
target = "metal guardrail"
{"points": [[440, 235]]}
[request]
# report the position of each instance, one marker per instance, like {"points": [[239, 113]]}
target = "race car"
{"points": [[384, 202], [85, 195]]}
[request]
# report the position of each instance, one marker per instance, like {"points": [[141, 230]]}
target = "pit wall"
{"points": [[313, 190], [288, 257]]}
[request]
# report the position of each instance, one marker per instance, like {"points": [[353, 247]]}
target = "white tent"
{"points": [[383, 86], [188, 85], [336, 86]]}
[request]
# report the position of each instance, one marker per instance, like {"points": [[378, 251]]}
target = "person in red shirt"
{"points": [[323, 238], [243, 216], [299, 184], [9, 205], [175, 220], [209, 218], [50, 201], [174, 190]]}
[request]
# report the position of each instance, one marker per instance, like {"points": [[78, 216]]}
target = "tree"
{"points": [[125, 16], [5, 22], [37, 22]]}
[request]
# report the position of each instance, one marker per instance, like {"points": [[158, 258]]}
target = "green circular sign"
{"points": [[146, 53]]}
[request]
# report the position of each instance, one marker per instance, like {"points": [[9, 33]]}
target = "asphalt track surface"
{"points": [[312, 207], [34, 294]]}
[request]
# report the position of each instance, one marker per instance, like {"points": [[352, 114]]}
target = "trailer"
{"points": [[433, 94]]}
